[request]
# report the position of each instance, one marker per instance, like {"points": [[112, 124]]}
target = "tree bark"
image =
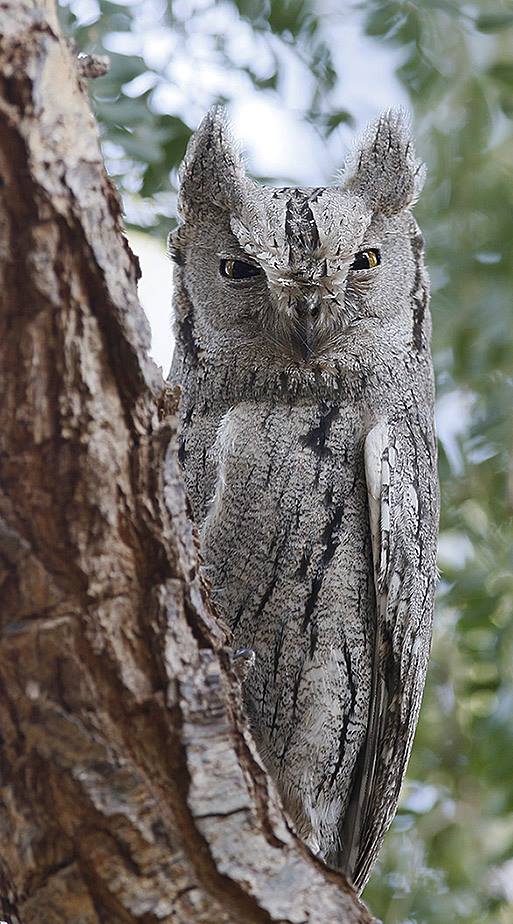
{"points": [[130, 790]]}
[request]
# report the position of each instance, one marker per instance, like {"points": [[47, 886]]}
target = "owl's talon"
{"points": [[243, 661]]}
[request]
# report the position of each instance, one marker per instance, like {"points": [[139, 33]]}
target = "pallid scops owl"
{"points": [[303, 352]]}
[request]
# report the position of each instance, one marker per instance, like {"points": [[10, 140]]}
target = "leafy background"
{"points": [[449, 856]]}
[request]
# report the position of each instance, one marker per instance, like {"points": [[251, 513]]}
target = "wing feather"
{"points": [[400, 470]]}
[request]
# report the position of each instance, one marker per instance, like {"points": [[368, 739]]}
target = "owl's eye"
{"points": [[238, 269], [366, 259]]}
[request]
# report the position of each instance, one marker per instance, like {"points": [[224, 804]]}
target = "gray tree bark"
{"points": [[130, 790]]}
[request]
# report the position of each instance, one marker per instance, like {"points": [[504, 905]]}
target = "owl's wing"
{"points": [[402, 487]]}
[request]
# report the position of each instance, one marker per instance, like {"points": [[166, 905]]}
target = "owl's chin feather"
{"points": [[306, 344]]}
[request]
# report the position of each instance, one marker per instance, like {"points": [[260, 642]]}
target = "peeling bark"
{"points": [[130, 790]]}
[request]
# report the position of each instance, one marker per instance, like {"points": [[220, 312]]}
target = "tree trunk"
{"points": [[130, 789]]}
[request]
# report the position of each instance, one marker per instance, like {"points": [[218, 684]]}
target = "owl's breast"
{"points": [[287, 547]]}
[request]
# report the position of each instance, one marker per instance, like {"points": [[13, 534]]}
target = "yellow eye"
{"points": [[366, 259], [238, 269]]}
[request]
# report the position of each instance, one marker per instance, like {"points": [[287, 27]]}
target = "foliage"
{"points": [[447, 855], [457, 68], [153, 45]]}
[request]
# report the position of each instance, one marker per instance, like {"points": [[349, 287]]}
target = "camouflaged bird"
{"points": [[303, 352]]}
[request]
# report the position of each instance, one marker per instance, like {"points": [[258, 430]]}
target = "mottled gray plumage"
{"points": [[310, 460]]}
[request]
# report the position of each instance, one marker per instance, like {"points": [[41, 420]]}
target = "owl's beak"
{"points": [[307, 311]]}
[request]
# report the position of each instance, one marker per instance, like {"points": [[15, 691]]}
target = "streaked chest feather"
{"points": [[288, 552]]}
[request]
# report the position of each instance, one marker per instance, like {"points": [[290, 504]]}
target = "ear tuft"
{"points": [[212, 170], [383, 168]]}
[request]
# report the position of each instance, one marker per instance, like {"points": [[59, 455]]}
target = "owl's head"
{"points": [[293, 276]]}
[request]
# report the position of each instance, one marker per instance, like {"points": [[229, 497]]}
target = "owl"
{"points": [[303, 354]]}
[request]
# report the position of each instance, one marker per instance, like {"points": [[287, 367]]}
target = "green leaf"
{"points": [[123, 69], [155, 179], [254, 11], [292, 16], [502, 71], [506, 104], [265, 83], [340, 117], [144, 144], [125, 111], [384, 20], [494, 22]]}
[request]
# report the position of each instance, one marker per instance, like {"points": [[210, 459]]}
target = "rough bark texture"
{"points": [[129, 787]]}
